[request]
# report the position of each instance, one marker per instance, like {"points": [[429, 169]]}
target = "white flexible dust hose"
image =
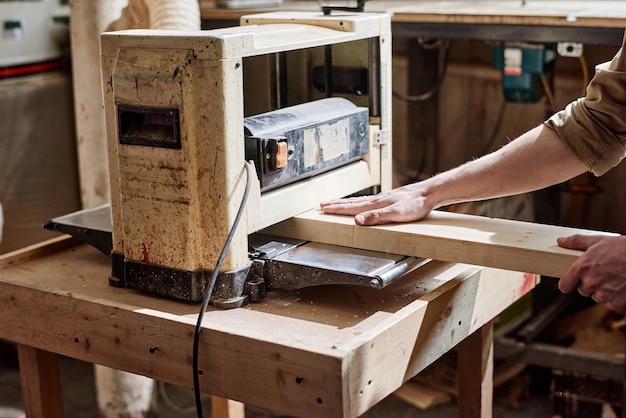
{"points": [[122, 394], [181, 14], [159, 14]]}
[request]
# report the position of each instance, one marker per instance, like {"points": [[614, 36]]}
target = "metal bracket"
{"points": [[382, 137]]}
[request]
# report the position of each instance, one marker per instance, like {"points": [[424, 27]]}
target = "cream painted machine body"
{"points": [[175, 103]]}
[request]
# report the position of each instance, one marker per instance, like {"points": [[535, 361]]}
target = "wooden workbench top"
{"points": [[332, 351], [610, 14]]}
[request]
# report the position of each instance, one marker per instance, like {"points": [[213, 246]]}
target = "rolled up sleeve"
{"points": [[594, 127]]}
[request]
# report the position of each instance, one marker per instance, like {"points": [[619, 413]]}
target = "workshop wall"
{"points": [[37, 157]]}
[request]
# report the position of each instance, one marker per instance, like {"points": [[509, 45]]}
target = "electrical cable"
{"points": [[496, 129], [212, 280], [549, 93], [442, 45], [585, 70]]}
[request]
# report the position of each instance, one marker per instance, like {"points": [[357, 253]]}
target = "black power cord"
{"points": [[212, 280], [444, 49]]}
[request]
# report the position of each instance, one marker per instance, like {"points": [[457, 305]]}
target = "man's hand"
{"points": [[404, 204], [600, 272]]}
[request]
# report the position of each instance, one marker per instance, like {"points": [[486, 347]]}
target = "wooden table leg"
{"points": [[226, 408], [475, 374], [41, 383]]}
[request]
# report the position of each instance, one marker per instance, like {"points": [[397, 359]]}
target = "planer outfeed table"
{"points": [[327, 351]]}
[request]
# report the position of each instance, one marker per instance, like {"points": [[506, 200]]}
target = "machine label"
{"points": [[326, 142]]}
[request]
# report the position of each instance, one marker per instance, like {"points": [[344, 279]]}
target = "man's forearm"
{"points": [[535, 160]]}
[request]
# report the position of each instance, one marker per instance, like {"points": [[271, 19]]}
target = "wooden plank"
{"points": [[37, 250], [553, 13], [421, 396], [445, 236], [332, 351], [225, 408], [41, 384]]}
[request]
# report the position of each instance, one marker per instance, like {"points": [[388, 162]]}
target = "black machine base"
{"points": [[232, 289]]}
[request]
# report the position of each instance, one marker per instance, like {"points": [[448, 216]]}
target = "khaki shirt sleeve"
{"points": [[594, 127]]}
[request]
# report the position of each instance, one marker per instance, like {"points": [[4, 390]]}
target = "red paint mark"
{"points": [[528, 284], [144, 253]]}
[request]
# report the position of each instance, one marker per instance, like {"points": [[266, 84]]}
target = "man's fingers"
{"points": [[362, 219], [568, 282], [571, 279], [573, 276], [579, 242], [350, 206], [345, 201], [384, 215], [371, 217], [341, 208]]}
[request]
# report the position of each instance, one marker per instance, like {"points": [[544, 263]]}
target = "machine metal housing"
{"points": [[175, 104]]}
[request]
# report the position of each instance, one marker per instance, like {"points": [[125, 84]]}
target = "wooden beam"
{"points": [[226, 408], [553, 13], [475, 374], [37, 250], [445, 236], [41, 385]]}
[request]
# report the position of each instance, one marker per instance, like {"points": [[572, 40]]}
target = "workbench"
{"points": [[597, 22], [328, 351]]}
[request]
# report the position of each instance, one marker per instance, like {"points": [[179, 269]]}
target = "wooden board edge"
{"points": [[37, 250]]}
